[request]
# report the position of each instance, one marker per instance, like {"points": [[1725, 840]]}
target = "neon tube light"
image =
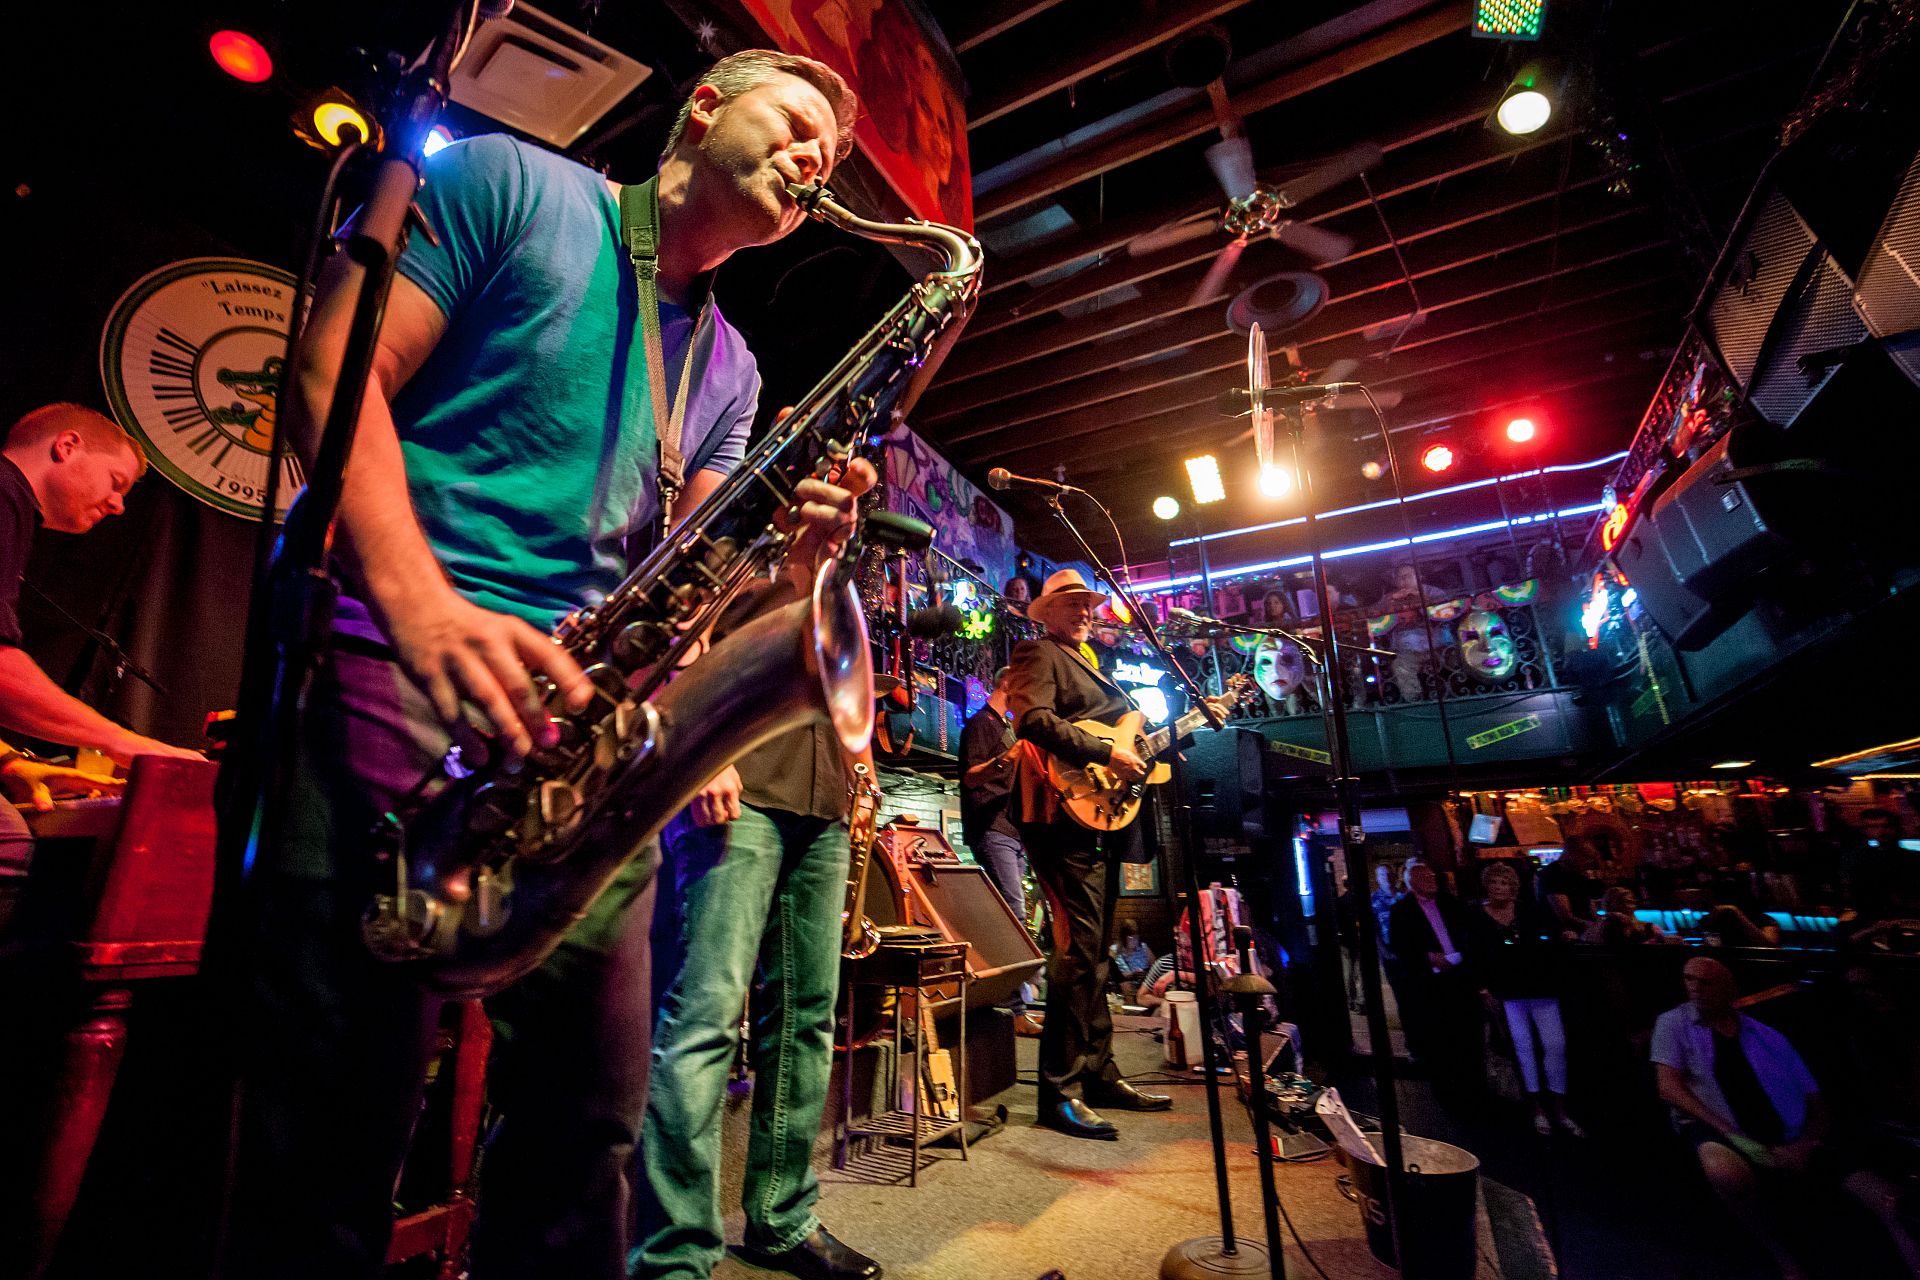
{"points": [[1466, 531], [1388, 502]]}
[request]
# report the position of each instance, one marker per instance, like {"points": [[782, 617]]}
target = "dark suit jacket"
{"points": [[1410, 937], [1049, 686]]}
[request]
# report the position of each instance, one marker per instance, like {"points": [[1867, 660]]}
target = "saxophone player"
{"points": [[529, 401]]}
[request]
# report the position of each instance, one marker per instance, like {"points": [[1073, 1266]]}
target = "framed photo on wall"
{"points": [[1140, 879]]}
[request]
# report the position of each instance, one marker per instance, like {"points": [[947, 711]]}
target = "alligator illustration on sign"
{"points": [[261, 387]]}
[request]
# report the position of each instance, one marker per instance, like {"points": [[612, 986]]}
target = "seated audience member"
{"points": [[1152, 990], [1513, 949], [1732, 927], [1743, 1097], [1618, 926], [1131, 960]]}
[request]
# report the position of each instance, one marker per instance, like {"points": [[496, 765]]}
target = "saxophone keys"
{"points": [[496, 808], [487, 912], [560, 804]]}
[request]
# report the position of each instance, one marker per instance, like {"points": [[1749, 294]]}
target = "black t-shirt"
{"points": [[1581, 889], [19, 522], [983, 800], [1753, 1110]]}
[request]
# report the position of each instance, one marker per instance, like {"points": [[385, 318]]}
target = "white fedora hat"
{"points": [[1062, 585]]}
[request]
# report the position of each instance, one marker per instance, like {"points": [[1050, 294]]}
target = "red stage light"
{"points": [[241, 56], [1437, 457], [1520, 430]]}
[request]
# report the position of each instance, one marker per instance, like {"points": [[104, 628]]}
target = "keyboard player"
{"points": [[64, 467]]}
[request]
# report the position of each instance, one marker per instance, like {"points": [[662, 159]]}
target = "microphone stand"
{"points": [[1353, 845], [253, 802], [121, 661], [1224, 1255]]}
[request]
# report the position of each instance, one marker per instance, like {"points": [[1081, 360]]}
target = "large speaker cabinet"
{"points": [[923, 882]]}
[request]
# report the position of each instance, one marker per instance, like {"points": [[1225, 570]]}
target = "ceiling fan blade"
{"points": [[1231, 160], [1167, 237], [1313, 242], [1214, 283], [1350, 163], [1386, 399]]}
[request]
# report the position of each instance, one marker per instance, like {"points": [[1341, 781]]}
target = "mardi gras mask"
{"points": [[1487, 647], [1279, 669]]}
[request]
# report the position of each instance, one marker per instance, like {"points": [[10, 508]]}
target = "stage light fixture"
{"points": [[1166, 506], [241, 56], [1732, 764], [1371, 469], [1520, 430], [1275, 482], [324, 120], [1203, 473], [1437, 457], [1508, 19], [1525, 107], [436, 141]]}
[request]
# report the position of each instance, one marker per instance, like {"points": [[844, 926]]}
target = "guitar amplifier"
{"points": [[927, 884]]}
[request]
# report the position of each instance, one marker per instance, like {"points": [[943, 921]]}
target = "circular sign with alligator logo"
{"points": [[191, 358]]}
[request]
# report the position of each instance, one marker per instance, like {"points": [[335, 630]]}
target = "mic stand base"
{"points": [[1206, 1258]]}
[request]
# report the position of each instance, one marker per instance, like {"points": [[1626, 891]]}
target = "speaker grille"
{"points": [[1820, 317], [1756, 281], [1889, 292]]}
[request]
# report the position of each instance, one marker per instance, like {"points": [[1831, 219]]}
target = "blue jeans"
{"points": [[767, 888], [1005, 861]]}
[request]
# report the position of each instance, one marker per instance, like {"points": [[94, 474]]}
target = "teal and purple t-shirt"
{"points": [[528, 432]]}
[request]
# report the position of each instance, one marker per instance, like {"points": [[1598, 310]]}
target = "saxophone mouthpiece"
{"points": [[807, 197]]}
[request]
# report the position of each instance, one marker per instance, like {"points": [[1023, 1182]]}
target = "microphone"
{"points": [[934, 621], [1237, 401], [1187, 617], [1001, 478]]}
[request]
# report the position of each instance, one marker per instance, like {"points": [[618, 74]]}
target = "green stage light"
{"points": [[1508, 19]]}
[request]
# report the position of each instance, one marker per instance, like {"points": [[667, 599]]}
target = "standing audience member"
{"points": [[1515, 953], [1439, 1001], [1743, 1097], [1017, 591], [1566, 888], [1413, 633]]}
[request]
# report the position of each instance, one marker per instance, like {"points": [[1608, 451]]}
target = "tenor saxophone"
{"points": [[487, 870], [858, 937]]}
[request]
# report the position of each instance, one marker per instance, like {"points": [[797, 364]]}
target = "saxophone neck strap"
{"points": [[640, 231]]}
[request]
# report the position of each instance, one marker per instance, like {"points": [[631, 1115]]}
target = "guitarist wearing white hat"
{"points": [[1052, 682]]}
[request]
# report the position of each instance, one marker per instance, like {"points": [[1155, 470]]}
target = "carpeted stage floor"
{"points": [[1030, 1200]]}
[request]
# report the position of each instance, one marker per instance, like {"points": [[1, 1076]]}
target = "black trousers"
{"points": [[1081, 882], [335, 1043]]}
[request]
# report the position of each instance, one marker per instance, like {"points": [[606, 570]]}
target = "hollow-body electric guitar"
{"points": [[1094, 795]]}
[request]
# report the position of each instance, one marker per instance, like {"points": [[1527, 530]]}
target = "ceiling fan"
{"points": [[1255, 209]]}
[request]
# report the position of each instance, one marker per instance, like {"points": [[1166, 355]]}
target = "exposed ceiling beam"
{"points": [[1195, 380], [1466, 228], [1105, 236], [1192, 121], [981, 20], [1048, 70], [1095, 372]]}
